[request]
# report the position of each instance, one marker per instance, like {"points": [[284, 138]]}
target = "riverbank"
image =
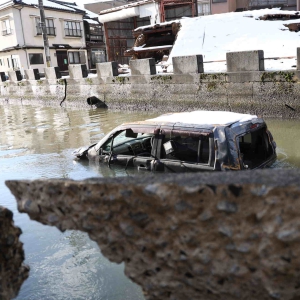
{"points": [[268, 94]]}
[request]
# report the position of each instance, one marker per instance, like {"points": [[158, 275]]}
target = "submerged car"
{"points": [[186, 142]]}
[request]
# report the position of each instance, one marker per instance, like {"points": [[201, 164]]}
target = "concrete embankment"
{"points": [[207, 236], [245, 87], [262, 93]]}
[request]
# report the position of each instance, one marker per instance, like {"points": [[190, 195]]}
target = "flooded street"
{"points": [[37, 142]]}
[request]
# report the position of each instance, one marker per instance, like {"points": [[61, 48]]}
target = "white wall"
{"points": [[30, 37], [150, 10], [9, 40]]}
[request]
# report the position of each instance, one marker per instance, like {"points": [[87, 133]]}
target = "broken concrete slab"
{"points": [[186, 236], [12, 270]]}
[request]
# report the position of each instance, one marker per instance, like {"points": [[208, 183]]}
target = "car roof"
{"points": [[200, 117]]}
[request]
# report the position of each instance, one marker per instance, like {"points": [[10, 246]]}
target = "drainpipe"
{"points": [[24, 42]]}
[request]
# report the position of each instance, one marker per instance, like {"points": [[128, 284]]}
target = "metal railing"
{"points": [[93, 37], [50, 30], [255, 3], [73, 32]]}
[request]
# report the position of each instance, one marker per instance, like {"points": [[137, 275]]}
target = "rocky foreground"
{"points": [[203, 236], [12, 270]]}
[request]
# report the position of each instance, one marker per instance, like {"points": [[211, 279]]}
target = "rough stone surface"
{"points": [[206, 236], [12, 270], [12, 76], [187, 64], [245, 61], [29, 75], [107, 69], [75, 71], [142, 66], [269, 94], [50, 73]]}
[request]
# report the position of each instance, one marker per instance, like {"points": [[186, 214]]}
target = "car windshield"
{"points": [[123, 137]]}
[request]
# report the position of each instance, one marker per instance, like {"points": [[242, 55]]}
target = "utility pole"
{"points": [[44, 32]]}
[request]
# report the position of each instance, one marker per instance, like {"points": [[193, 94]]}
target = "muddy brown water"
{"points": [[37, 142]]}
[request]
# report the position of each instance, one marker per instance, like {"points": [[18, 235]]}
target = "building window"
{"points": [[218, 1], [36, 58], [95, 30], [203, 9], [15, 62], [6, 27], [8, 63], [1, 63], [74, 57], [72, 28], [97, 56], [49, 26]]}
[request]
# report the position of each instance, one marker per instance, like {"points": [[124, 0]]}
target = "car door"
{"points": [[182, 153], [128, 148]]}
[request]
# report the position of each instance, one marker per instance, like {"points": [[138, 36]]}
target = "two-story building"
{"points": [[21, 40]]}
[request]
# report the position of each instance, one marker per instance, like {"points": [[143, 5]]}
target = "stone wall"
{"points": [[246, 87], [199, 236], [12, 270], [262, 93]]}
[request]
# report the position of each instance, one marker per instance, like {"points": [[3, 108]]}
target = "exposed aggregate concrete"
{"points": [[12, 270], [200, 236]]}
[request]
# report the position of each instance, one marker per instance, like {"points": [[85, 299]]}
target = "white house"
{"points": [[21, 40]]}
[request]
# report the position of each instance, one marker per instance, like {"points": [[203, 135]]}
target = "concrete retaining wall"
{"points": [[194, 236], [257, 92]]}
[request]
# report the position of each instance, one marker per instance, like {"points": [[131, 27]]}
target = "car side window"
{"points": [[186, 148]]}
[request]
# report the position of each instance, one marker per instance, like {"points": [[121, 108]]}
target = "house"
{"points": [[94, 36], [120, 21], [223, 6], [68, 29]]}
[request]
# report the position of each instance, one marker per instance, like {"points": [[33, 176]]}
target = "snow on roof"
{"points": [[204, 118], [82, 8], [47, 3], [126, 6], [91, 21], [214, 35], [157, 25], [142, 48], [71, 6]]}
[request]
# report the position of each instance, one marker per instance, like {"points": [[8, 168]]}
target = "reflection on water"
{"points": [[286, 136], [37, 142]]}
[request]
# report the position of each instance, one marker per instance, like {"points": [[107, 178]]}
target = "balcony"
{"points": [[73, 32], [268, 3], [50, 31], [92, 37]]}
